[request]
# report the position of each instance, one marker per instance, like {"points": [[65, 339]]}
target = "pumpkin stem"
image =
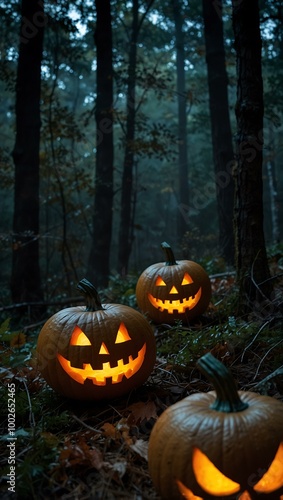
{"points": [[227, 397], [90, 294], [170, 259]]}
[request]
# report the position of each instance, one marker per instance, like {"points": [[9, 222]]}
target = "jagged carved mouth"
{"points": [[98, 377], [175, 305]]}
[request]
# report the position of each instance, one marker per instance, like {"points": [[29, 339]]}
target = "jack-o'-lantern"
{"points": [[169, 291], [97, 352], [223, 444]]}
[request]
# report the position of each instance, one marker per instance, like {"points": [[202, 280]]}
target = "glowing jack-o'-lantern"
{"points": [[229, 444], [217, 484], [99, 352], [169, 291]]}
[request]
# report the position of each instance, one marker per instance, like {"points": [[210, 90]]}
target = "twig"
{"points": [[222, 275], [253, 280], [276, 373], [266, 354], [255, 337], [68, 300], [34, 325], [86, 425], [31, 415]]}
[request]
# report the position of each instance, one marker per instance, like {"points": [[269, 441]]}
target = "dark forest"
{"points": [[141, 249]]}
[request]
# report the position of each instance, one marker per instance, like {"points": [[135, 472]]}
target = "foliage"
{"points": [[122, 290], [183, 346]]}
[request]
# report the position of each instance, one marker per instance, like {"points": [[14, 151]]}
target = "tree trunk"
{"points": [[182, 118], [125, 242], [98, 265], [223, 154], [251, 259], [25, 279], [273, 192]]}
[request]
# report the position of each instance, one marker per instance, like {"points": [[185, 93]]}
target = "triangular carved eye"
{"points": [[122, 335], [160, 282], [210, 478], [103, 349], [272, 480], [79, 337], [187, 280]]}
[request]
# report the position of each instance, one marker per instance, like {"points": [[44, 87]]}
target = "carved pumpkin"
{"points": [[101, 351], [169, 291], [227, 447]]}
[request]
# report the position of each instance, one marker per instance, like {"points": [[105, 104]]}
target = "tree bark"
{"points": [[223, 154], [25, 279], [251, 259], [99, 260], [273, 192]]}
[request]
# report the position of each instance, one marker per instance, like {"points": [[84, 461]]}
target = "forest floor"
{"points": [[73, 450]]}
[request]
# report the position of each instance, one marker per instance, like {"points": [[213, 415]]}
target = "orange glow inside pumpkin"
{"points": [[160, 282], [215, 483], [175, 305], [171, 306], [273, 478], [187, 280], [210, 478], [98, 377], [186, 492]]}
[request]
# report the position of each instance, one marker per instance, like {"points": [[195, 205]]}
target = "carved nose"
{"points": [[173, 290]]}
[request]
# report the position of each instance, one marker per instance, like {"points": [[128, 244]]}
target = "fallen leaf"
{"points": [[80, 453], [18, 340], [143, 411], [140, 447], [117, 468], [109, 430]]}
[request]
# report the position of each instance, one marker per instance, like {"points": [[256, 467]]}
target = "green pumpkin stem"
{"points": [[227, 397], [170, 259], [90, 294]]}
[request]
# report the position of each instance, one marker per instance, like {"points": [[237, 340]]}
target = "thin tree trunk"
{"points": [[125, 242], [223, 154], [25, 279], [182, 118], [273, 193], [99, 260], [252, 266], [66, 253], [125, 238], [273, 201]]}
